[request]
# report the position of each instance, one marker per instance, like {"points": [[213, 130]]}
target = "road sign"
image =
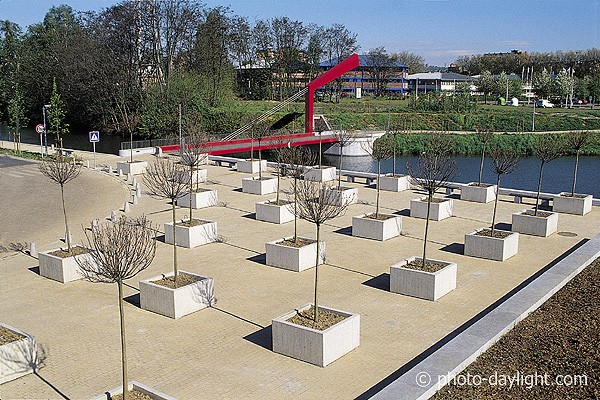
{"points": [[39, 128], [94, 137]]}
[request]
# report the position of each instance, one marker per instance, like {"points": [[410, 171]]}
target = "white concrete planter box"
{"points": [[421, 284], [535, 226], [268, 211], [294, 258], [478, 194], [265, 185], [339, 196], [194, 236], [313, 346], [176, 303], [376, 229], [251, 167], [323, 174], [201, 199], [134, 168], [198, 175], [564, 203], [438, 211], [17, 358], [61, 269], [499, 249], [396, 183], [133, 385]]}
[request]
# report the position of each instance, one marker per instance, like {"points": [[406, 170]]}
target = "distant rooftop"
{"points": [[364, 62], [444, 76]]}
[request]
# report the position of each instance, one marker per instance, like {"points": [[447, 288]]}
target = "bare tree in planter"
{"points": [[381, 149], [320, 126], [547, 147], [192, 156], [344, 139], [434, 169], [313, 205], [576, 140], [505, 162], [281, 158], [167, 179], [483, 136], [62, 170], [296, 159], [394, 131], [263, 130], [119, 252]]}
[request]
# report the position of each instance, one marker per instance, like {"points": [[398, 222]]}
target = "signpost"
{"points": [[94, 138], [39, 128]]}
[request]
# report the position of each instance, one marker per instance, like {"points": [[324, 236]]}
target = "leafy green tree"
{"points": [[16, 115], [56, 116], [543, 84], [564, 83], [486, 84], [10, 46]]}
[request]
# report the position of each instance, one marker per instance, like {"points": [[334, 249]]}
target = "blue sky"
{"points": [[438, 30]]}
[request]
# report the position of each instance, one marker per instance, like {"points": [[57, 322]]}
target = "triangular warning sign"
{"points": [[94, 137]]}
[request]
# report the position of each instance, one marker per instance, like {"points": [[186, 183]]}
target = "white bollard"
{"points": [[135, 200], [33, 250], [110, 170], [134, 182], [126, 207], [87, 164], [138, 191], [113, 216], [129, 177], [120, 172], [94, 224]]}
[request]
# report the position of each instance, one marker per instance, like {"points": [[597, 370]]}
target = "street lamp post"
{"points": [[45, 137]]}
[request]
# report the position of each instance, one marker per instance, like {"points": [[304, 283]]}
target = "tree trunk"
{"points": [[131, 146], [429, 200], [537, 199], [378, 186], [123, 346], [191, 189], [259, 162], [295, 209], [320, 150], [340, 174], [575, 173], [317, 272], [495, 204], [394, 160], [174, 244], [67, 232], [481, 165], [278, 181]]}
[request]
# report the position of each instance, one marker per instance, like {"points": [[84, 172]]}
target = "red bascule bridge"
{"points": [[231, 144]]}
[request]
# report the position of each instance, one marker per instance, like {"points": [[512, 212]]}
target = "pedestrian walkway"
{"points": [[224, 352]]}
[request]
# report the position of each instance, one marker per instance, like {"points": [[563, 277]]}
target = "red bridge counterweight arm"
{"points": [[347, 65]]}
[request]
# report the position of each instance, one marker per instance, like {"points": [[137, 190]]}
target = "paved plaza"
{"points": [[224, 352]]}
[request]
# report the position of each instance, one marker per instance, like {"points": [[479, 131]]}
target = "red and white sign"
{"points": [[39, 128]]}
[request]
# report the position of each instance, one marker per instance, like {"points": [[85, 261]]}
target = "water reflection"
{"points": [[558, 174]]}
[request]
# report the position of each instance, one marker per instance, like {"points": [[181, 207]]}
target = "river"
{"points": [[558, 174]]}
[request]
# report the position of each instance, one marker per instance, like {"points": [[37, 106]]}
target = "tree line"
{"points": [[128, 67]]}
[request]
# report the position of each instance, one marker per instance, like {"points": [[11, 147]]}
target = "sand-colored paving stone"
{"points": [[224, 352]]}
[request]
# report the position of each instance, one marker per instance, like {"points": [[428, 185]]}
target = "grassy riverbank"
{"points": [[370, 113]]}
